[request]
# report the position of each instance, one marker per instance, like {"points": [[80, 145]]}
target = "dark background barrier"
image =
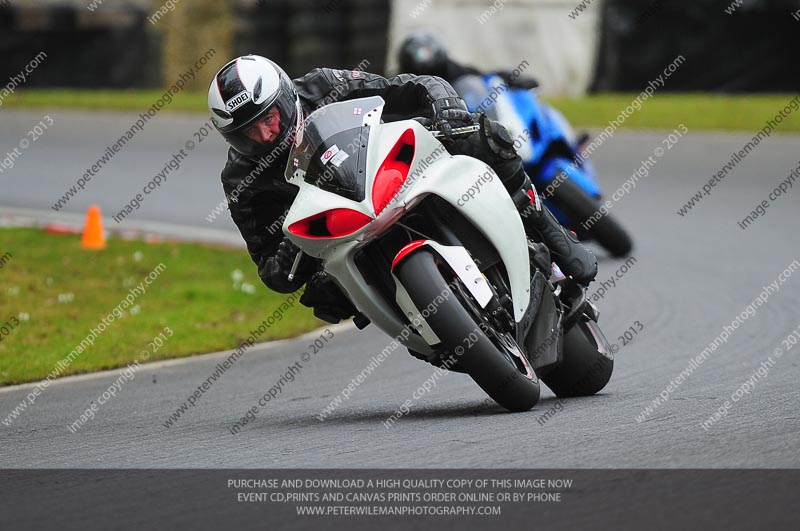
{"points": [[117, 47], [754, 49], [304, 34], [107, 49]]}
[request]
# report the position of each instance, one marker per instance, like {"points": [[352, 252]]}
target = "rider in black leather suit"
{"points": [[257, 107]]}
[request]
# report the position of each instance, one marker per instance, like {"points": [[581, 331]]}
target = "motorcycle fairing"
{"points": [[432, 171]]}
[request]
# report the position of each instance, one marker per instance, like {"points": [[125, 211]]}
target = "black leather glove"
{"points": [[497, 138], [449, 114], [275, 270]]}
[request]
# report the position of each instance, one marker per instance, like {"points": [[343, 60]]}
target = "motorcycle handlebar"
{"points": [[466, 130], [428, 124]]}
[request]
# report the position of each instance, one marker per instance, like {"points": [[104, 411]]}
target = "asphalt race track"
{"points": [[693, 275]]}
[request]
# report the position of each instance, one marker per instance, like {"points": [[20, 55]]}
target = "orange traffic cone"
{"points": [[93, 236]]}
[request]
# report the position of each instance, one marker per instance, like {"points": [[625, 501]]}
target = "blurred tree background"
{"points": [[188, 31]]}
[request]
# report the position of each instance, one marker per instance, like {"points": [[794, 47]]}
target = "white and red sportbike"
{"points": [[451, 275]]}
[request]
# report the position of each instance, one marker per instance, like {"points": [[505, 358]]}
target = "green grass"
{"points": [[65, 291], [663, 111], [696, 111], [117, 100]]}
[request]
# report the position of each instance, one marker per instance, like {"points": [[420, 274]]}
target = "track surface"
{"points": [[693, 275]]}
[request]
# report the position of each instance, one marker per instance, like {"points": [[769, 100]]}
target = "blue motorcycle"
{"points": [[550, 150]]}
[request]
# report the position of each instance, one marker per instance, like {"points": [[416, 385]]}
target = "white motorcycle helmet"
{"points": [[250, 89]]}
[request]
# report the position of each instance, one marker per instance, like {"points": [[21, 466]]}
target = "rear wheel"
{"points": [[490, 357], [587, 362], [579, 207]]}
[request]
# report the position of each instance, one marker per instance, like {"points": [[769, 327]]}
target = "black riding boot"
{"points": [[569, 254], [495, 147]]}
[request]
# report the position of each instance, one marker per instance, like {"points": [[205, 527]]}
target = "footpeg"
{"points": [[540, 255], [574, 296], [361, 321], [591, 311]]}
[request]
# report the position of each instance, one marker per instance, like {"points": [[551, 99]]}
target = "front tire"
{"points": [[492, 369]]}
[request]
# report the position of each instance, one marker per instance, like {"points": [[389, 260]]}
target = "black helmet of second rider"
{"points": [[254, 106], [423, 53]]}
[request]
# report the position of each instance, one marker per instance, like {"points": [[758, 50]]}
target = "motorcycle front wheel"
{"points": [[468, 339]]}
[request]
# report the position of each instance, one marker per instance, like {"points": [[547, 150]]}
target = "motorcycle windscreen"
{"points": [[330, 151]]}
